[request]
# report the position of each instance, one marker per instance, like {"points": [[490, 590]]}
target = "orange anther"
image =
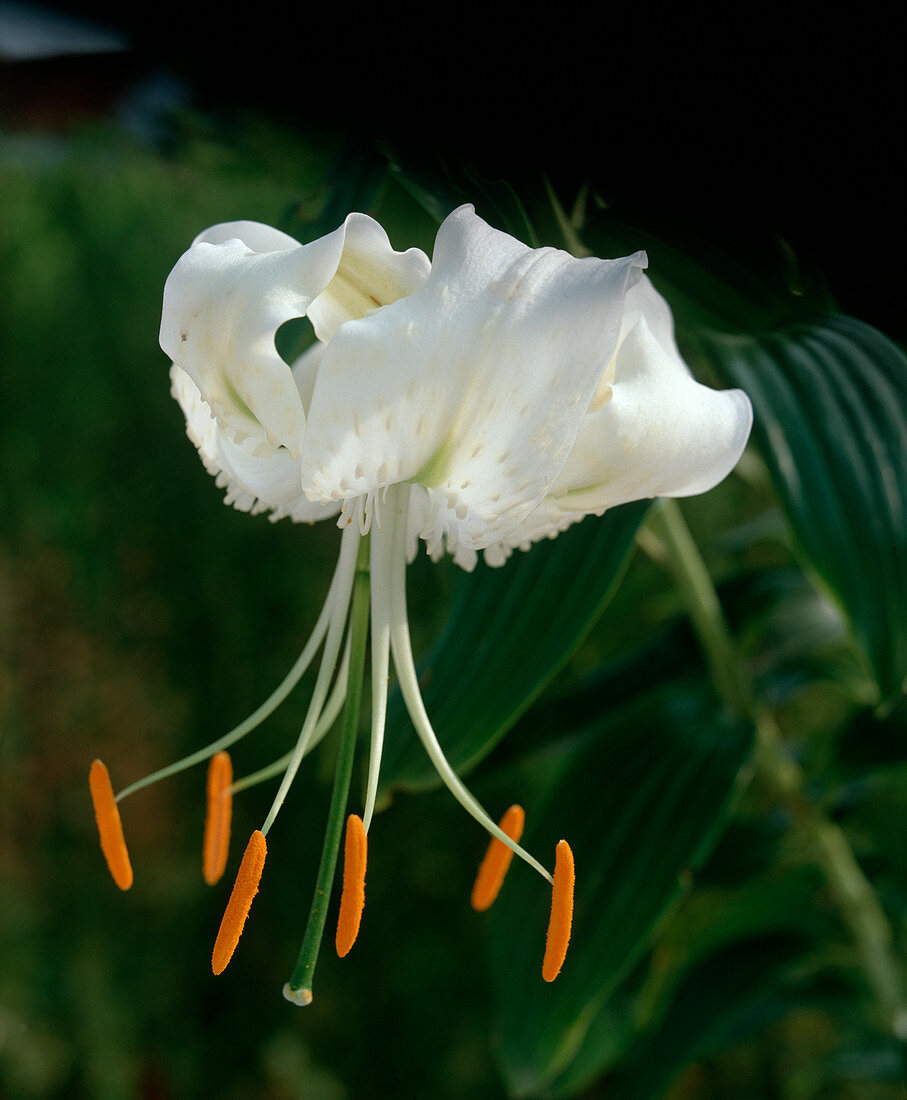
{"points": [[244, 890], [561, 913], [217, 819], [352, 899], [497, 859], [110, 828]]}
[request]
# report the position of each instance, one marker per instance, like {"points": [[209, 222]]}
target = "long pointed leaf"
{"points": [[831, 422]]}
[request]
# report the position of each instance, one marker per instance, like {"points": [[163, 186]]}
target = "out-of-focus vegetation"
{"points": [[139, 618]]}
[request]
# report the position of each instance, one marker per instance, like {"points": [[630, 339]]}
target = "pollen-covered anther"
{"points": [[352, 899], [561, 919], [110, 828], [217, 820], [244, 890], [497, 859]]}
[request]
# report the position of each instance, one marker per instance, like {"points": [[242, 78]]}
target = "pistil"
{"points": [[299, 988]]}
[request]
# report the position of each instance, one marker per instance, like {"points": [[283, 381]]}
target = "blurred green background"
{"points": [[139, 619]]}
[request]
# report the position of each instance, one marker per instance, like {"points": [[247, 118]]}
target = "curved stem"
{"points": [[857, 901]]}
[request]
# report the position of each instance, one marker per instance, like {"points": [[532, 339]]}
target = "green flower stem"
{"points": [[299, 987], [857, 901]]}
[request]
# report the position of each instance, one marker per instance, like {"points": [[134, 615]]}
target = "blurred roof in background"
{"points": [[29, 32], [60, 69]]}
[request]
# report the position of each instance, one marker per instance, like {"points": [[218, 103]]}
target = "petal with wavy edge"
{"points": [[255, 235], [239, 282], [370, 275], [254, 483], [473, 386], [661, 433], [545, 521]]}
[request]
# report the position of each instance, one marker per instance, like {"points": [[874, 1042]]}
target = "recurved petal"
{"points": [[660, 433], [223, 305], [253, 483], [239, 282], [255, 235], [370, 275], [473, 386]]}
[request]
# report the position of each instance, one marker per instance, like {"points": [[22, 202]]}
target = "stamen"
{"points": [[561, 919], [217, 819], [255, 719], [497, 859], [110, 828], [382, 542], [408, 680], [328, 716], [345, 574], [352, 899], [244, 890]]}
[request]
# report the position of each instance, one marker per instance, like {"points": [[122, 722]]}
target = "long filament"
{"points": [[328, 717], [255, 719], [401, 647], [346, 570], [382, 543]]}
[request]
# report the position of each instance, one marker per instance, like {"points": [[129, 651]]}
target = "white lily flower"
{"points": [[478, 403]]}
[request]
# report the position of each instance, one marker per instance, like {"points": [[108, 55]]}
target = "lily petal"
{"points": [[473, 386], [370, 275], [239, 282], [659, 433], [254, 483]]}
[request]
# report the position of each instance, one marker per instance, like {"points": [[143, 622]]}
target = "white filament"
{"points": [[328, 717], [381, 550], [401, 647], [346, 570], [270, 704]]}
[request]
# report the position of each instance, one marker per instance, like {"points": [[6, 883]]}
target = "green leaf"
{"points": [[830, 398], [701, 980], [640, 801], [727, 995], [510, 631]]}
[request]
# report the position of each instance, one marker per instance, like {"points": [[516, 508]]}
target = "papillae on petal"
{"points": [[473, 386], [253, 483]]}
